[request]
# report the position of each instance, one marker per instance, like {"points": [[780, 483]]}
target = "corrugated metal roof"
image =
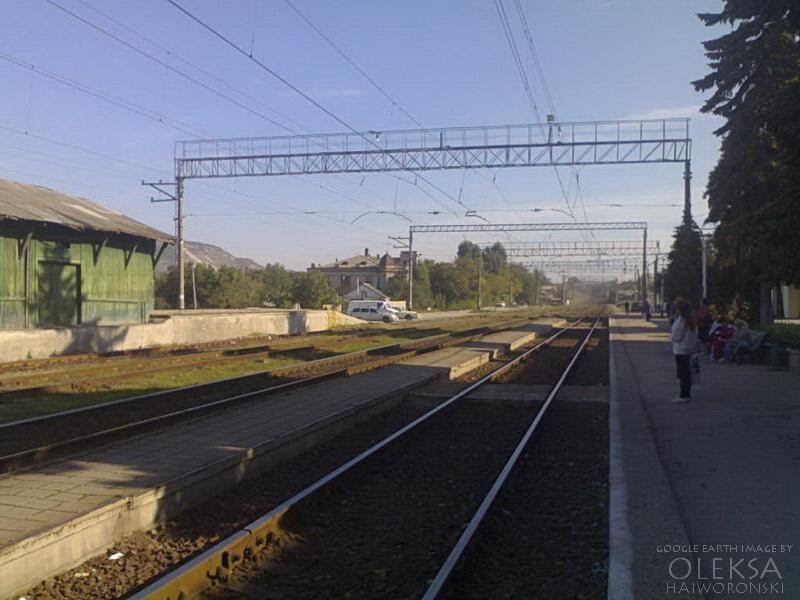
{"points": [[359, 260], [27, 202]]}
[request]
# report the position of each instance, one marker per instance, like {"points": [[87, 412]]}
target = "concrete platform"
{"points": [[459, 360], [56, 516], [718, 477], [514, 338], [454, 361]]}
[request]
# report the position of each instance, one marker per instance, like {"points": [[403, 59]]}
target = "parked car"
{"points": [[372, 310], [501, 304], [402, 313]]}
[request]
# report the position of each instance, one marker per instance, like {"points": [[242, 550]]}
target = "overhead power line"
{"points": [[353, 64], [104, 96], [191, 64], [523, 74], [166, 65], [295, 89], [83, 150], [171, 68]]}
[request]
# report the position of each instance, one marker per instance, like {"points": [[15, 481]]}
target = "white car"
{"points": [[402, 313], [372, 310]]}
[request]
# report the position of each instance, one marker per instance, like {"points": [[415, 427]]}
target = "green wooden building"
{"points": [[67, 261]]}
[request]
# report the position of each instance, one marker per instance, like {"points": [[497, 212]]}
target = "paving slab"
{"points": [[458, 360], [702, 485], [47, 526], [454, 361]]}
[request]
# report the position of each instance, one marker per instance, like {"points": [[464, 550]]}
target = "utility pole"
{"points": [[510, 286], [704, 262], [179, 232], [644, 268], [410, 270], [194, 286], [480, 269], [405, 243], [176, 196]]}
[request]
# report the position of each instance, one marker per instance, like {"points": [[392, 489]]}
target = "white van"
{"points": [[371, 310]]}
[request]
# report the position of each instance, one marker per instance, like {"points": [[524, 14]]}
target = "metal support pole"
{"points": [[410, 301], [510, 286], [687, 190], [179, 240], [194, 286], [656, 299], [644, 269], [480, 269], [704, 259]]}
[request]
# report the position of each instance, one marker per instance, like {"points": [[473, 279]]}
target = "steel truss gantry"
{"points": [[531, 145], [582, 248], [579, 266], [510, 227]]}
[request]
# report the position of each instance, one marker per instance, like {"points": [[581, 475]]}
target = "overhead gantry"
{"points": [[416, 150]]}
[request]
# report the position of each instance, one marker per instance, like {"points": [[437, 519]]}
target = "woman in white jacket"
{"points": [[684, 344]]}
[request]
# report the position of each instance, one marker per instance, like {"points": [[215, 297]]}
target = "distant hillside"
{"points": [[205, 254]]}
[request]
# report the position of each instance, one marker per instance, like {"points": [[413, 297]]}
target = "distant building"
{"points": [[68, 261], [376, 270], [365, 291]]}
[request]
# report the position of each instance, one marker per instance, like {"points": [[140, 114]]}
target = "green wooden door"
{"points": [[58, 293]]}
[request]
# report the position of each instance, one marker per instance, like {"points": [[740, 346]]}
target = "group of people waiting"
{"points": [[703, 332]]}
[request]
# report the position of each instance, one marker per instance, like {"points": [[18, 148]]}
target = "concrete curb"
{"points": [[620, 540]]}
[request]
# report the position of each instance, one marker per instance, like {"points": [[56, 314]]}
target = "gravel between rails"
{"points": [[148, 554], [545, 366], [546, 537], [382, 529], [592, 367]]}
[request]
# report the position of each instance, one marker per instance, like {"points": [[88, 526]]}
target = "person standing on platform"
{"points": [[648, 313], [627, 308], [684, 344]]}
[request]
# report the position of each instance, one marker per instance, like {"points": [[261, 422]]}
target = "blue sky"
{"points": [[444, 61]]}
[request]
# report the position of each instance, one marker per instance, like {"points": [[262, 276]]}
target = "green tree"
{"points": [[450, 285], [467, 249], [312, 290], [754, 188], [683, 276], [227, 287], [423, 296], [494, 258], [277, 285]]}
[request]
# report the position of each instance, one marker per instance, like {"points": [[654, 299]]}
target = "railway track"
{"points": [[33, 441], [68, 373], [379, 524]]}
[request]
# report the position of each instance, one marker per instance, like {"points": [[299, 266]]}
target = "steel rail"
{"points": [[199, 573], [118, 367], [468, 534], [62, 448]]}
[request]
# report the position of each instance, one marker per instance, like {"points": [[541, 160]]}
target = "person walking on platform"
{"points": [[684, 344], [627, 308]]}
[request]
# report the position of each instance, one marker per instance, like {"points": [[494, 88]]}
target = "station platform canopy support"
{"points": [[641, 141]]}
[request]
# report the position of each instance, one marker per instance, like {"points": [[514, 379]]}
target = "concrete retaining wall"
{"points": [[172, 328]]}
